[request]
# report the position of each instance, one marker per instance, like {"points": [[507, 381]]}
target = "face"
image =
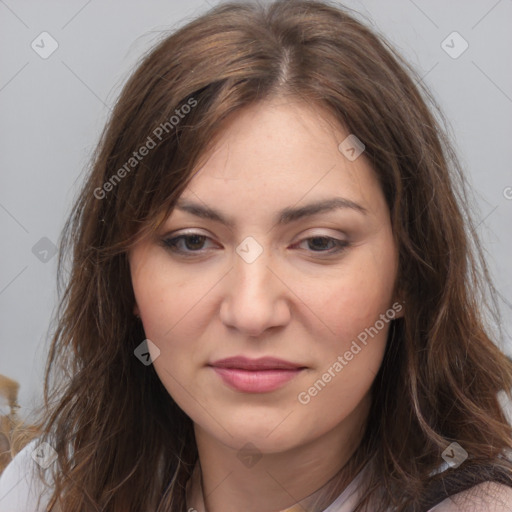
{"points": [[270, 276]]}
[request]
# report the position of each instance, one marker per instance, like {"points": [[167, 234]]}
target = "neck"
{"points": [[311, 475]]}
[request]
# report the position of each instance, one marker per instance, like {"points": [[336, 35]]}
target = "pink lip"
{"points": [[255, 375]]}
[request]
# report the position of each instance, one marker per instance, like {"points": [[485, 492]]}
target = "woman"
{"points": [[275, 302]]}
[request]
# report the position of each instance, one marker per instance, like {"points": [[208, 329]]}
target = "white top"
{"points": [[20, 485], [20, 488]]}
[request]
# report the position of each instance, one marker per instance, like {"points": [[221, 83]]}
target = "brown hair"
{"points": [[122, 442]]}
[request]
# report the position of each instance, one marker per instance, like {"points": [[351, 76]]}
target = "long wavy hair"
{"points": [[122, 442]]}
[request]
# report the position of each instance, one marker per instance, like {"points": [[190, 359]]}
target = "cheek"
{"points": [[170, 309], [166, 300], [357, 309], [355, 299], [166, 323], [349, 359]]}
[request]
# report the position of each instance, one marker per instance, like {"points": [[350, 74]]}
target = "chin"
{"points": [[267, 436]]}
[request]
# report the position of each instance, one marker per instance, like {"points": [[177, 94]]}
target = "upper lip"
{"points": [[263, 363]]}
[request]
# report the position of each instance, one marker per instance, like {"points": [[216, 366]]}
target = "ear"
{"points": [[136, 310]]}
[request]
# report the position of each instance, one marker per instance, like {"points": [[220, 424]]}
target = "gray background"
{"points": [[52, 111]]}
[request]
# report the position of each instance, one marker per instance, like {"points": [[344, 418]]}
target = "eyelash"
{"points": [[172, 243]]}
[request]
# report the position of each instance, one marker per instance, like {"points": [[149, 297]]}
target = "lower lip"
{"points": [[260, 381]]}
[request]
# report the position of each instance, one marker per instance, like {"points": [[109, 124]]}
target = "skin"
{"points": [[293, 302]]}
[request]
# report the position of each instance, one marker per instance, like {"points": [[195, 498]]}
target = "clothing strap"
{"points": [[454, 481]]}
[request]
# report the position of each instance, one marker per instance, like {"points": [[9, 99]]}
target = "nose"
{"points": [[255, 297]]}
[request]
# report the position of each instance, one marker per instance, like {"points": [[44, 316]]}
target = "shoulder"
{"points": [[20, 486], [484, 497]]}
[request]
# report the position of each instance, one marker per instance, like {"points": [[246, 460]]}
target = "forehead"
{"points": [[277, 133], [282, 152]]}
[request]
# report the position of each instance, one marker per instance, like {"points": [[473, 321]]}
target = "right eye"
{"points": [[188, 245]]}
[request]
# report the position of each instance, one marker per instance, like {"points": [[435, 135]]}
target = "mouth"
{"points": [[256, 375]]}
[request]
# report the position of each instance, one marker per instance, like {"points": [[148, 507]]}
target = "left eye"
{"points": [[193, 243], [324, 242]]}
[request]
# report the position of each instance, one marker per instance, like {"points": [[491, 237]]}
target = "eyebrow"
{"points": [[285, 216]]}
